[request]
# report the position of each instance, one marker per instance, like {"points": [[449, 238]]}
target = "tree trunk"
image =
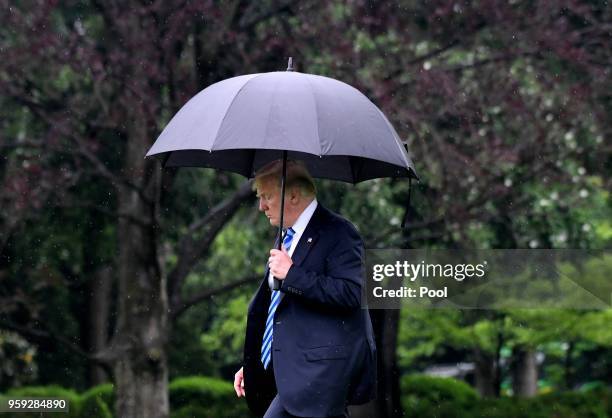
{"points": [[98, 294], [140, 341], [388, 402], [486, 374], [524, 372]]}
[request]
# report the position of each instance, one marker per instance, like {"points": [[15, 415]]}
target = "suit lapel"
{"points": [[309, 237], [307, 241]]}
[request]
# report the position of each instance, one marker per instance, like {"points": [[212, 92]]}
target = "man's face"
{"points": [[268, 194]]}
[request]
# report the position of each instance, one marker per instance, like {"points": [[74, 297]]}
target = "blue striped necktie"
{"points": [[266, 347]]}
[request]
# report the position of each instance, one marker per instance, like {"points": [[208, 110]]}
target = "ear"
{"points": [[294, 194]]}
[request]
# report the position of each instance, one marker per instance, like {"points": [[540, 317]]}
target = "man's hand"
{"points": [[279, 263], [239, 382]]}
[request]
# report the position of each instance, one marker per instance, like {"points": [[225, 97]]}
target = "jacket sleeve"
{"points": [[341, 284]]}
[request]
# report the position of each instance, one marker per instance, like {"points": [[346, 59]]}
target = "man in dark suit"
{"points": [[309, 348]]}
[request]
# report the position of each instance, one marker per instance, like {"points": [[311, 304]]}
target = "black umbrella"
{"points": [[245, 122]]}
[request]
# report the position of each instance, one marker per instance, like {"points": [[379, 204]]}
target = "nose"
{"points": [[262, 205]]}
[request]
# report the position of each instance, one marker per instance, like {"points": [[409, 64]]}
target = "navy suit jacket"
{"points": [[323, 350]]}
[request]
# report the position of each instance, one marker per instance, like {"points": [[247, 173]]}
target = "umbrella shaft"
{"points": [[282, 213]]}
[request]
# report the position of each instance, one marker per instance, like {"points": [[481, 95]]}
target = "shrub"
{"points": [[590, 404], [101, 411], [506, 408], [436, 396], [98, 402], [193, 411], [205, 395], [429, 397]]}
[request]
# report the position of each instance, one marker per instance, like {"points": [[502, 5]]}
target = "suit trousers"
{"points": [[276, 410]]}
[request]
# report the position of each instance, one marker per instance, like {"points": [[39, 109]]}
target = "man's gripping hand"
{"points": [[279, 263], [239, 382]]}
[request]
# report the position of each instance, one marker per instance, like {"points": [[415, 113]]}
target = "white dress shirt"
{"points": [[299, 227]]}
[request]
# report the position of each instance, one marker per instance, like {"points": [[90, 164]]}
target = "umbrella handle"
{"points": [[277, 283]]}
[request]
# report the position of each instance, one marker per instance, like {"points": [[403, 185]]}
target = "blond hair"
{"points": [[297, 176]]}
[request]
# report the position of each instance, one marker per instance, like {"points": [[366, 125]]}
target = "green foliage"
{"points": [[100, 410], [185, 390], [193, 396], [98, 401], [422, 397], [424, 332], [208, 396], [426, 393], [224, 339], [590, 404], [429, 397], [505, 408], [428, 335], [192, 411], [473, 113], [17, 365]]}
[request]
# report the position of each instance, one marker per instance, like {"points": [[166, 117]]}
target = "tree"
{"points": [[94, 81], [86, 88]]}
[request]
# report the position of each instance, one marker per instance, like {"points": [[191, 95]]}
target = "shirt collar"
{"points": [[302, 221]]}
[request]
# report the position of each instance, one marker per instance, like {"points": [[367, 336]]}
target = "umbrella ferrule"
{"points": [[290, 64]]}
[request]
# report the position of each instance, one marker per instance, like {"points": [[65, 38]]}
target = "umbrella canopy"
{"points": [[243, 123]]}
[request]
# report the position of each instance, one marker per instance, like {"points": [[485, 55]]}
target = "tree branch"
{"points": [[39, 336], [209, 293], [501, 58], [434, 53], [255, 18], [40, 111], [110, 213], [190, 250]]}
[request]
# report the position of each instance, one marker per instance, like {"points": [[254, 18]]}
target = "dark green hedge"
{"points": [[195, 396], [423, 397], [200, 396], [430, 397], [98, 402]]}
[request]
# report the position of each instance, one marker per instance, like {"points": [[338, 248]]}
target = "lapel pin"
{"points": [[309, 240]]}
